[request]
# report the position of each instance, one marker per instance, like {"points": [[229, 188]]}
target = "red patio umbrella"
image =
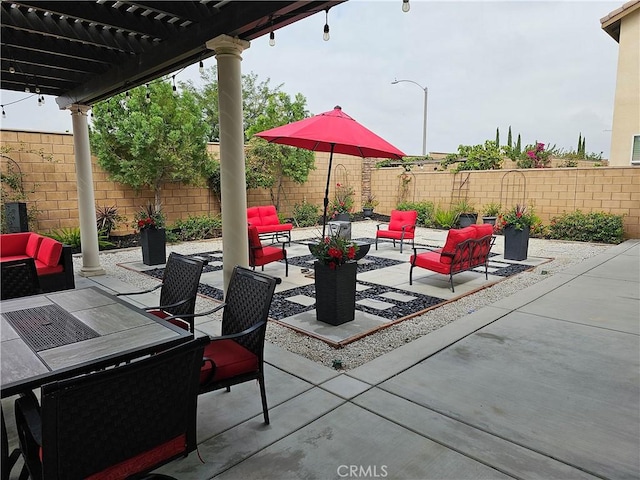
{"points": [[333, 131]]}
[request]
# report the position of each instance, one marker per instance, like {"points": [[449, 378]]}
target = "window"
{"points": [[635, 150]]}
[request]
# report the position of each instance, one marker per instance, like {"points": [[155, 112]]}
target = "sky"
{"points": [[547, 69]]}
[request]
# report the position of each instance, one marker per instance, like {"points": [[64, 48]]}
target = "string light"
{"points": [[201, 67], [12, 69], [27, 89], [405, 6], [175, 90], [272, 39], [325, 35], [4, 114], [148, 97]]}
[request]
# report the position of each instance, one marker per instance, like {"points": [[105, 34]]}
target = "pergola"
{"points": [[83, 52]]}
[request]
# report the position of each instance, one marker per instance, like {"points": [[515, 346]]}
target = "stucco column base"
{"points": [[91, 272]]}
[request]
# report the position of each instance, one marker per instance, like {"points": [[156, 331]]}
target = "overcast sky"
{"points": [[546, 69]]}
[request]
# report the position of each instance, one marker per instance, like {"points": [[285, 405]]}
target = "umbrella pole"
{"points": [[326, 193]]}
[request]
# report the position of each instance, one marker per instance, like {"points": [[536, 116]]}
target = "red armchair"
{"points": [[402, 226], [260, 255]]}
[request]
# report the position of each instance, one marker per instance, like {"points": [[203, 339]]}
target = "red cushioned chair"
{"points": [[179, 289], [402, 226], [237, 356], [260, 255], [115, 423]]}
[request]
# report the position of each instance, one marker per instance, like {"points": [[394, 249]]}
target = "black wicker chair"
{"points": [[115, 423], [178, 292], [19, 278], [8, 460], [237, 356]]}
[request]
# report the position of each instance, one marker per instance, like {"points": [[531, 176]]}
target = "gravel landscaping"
{"points": [[563, 255]]}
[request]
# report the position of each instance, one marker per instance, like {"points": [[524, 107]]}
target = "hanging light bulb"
{"points": [[27, 89], [39, 102], [175, 90], [42, 99], [405, 6], [148, 97], [37, 89], [272, 39], [4, 114], [12, 69], [201, 67], [325, 35]]}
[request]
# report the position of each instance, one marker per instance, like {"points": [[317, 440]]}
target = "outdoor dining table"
{"points": [[62, 334]]}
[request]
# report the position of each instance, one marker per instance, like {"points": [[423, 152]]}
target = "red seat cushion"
{"points": [[399, 219], [44, 269], [49, 252], [230, 359], [143, 461], [431, 261], [175, 321]]}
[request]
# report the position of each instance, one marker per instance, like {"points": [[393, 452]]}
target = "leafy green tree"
{"points": [[150, 137], [485, 156], [268, 164]]}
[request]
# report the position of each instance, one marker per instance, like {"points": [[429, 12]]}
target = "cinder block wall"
{"points": [[551, 191]]}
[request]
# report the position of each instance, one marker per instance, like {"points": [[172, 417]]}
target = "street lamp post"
{"points": [[424, 131]]}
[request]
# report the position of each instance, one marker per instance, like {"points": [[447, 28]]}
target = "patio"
{"points": [[541, 384]]}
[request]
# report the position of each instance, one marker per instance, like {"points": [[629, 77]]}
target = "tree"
{"points": [[498, 136], [268, 164], [149, 137], [518, 146], [579, 143], [509, 139], [485, 156]]}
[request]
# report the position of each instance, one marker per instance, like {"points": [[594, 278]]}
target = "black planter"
{"points": [[516, 243], [341, 217], [16, 217], [467, 219], [367, 212], [489, 220], [154, 246], [335, 293]]}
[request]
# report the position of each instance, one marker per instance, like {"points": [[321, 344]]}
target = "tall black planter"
{"points": [[516, 243], [335, 293], [16, 217], [154, 246]]}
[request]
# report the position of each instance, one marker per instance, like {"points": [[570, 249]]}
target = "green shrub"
{"points": [[445, 218], [306, 214], [587, 227], [195, 228], [71, 237], [425, 212]]}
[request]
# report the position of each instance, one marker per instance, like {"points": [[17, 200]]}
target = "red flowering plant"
{"points": [[343, 200], [518, 217], [149, 216], [535, 156], [334, 251]]}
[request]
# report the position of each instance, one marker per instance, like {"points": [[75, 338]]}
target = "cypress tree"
{"points": [[509, 141], [579, 143], [584, 148], [518, 146], [498, 137]]}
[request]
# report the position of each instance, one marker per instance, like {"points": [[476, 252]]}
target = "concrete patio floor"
{"points": [[542, 384]]}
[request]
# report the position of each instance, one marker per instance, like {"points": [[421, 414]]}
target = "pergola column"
{"points": [[235, 243], [86, 197]]}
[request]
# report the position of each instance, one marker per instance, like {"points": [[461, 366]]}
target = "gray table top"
{"points": [[118, 332]]}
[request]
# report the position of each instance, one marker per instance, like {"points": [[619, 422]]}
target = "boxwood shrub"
{"points": [[597, 227]]}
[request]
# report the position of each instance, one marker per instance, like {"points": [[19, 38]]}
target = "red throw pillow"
{"points": [[49, 252]]}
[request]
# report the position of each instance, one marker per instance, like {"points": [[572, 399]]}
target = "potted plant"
{"points": [[335, 279], [515, 225], [369, 204], [467, 214], [150, 222], [342, 203], [490, 213]]}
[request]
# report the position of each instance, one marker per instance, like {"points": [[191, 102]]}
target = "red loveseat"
{"points": [[265, 219], [52, 259], [464, 249]]}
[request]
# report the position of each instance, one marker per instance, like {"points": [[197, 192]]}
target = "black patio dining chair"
{"points": [[18, 278], [179, 289], [118, 423], [237, 356]]}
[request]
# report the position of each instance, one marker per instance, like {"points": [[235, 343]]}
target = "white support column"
{"points": [[235, 243], [86, 197]]}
